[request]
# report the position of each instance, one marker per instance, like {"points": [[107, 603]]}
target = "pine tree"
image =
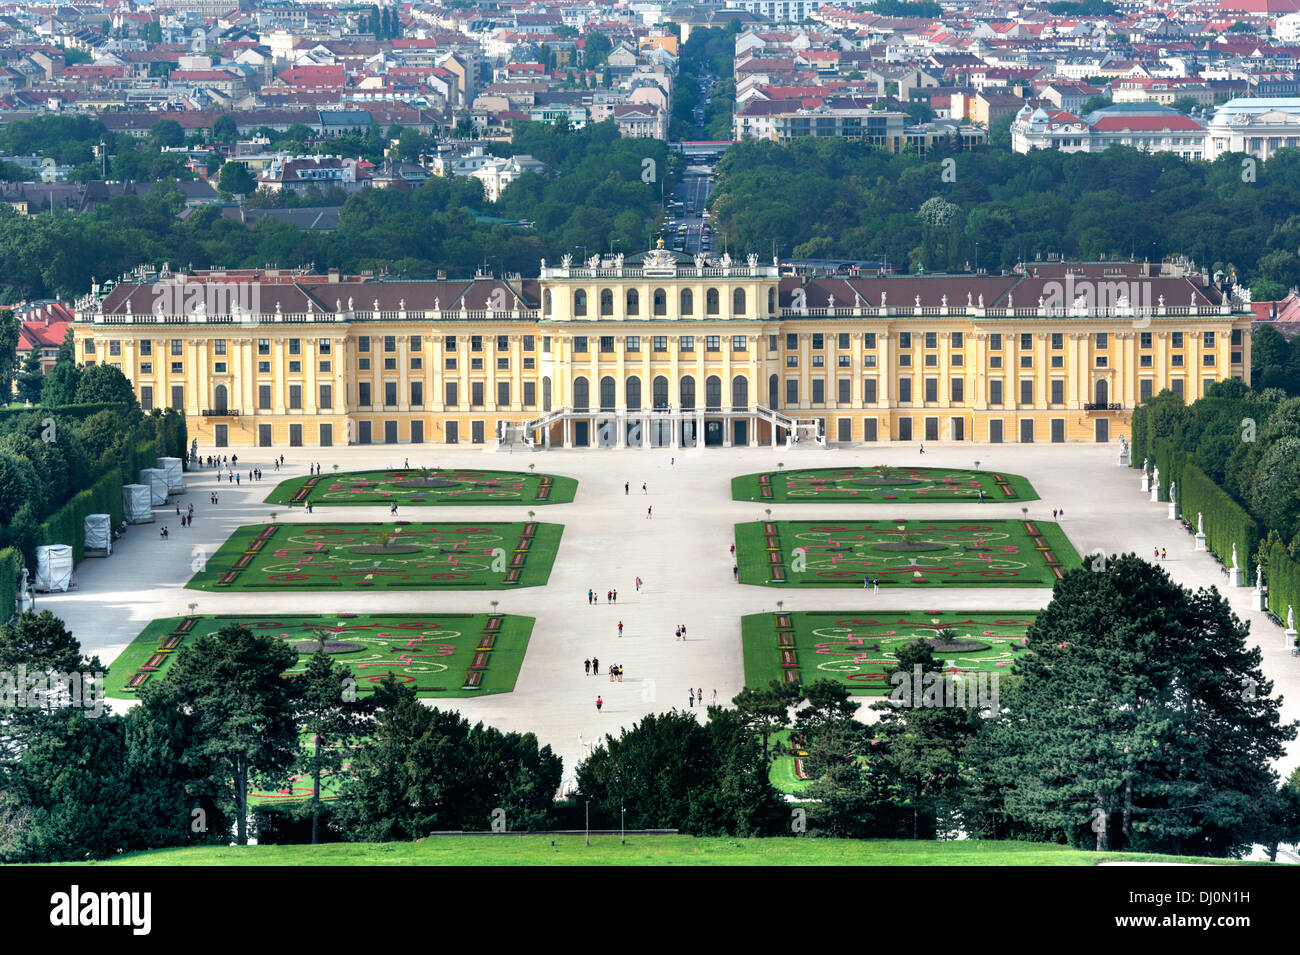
{"points": [[31, 379]]}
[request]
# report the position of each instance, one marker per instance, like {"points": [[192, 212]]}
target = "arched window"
{"points": [[633, 302], [219, 398], [546, 394], [771, 301], [711, 302], [660, 302], [738, 302], [608, 394], [688, 393], [688, 301], [659, 392], [580, 302], [773, 392], [634, 394], [740, 392], [1103, 393], [581, 394], [713, 393], [546, 302], [606, 302]]}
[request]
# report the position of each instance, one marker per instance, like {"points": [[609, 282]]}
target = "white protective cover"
{"points": [[99, 535], [53, 567], [137, 504], [156, 480], [175, 473]]}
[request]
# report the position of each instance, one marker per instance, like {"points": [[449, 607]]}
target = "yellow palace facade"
{"points": [[663, 350]]}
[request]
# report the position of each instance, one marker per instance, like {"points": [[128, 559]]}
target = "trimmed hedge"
{"points": [[1283, 582], [11, 568], [67, 525], [1139, 433], [1226, 521]]}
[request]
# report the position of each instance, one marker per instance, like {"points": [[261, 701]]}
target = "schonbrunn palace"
{"points": [[661, 349]]}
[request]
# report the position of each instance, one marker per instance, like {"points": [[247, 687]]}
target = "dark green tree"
{"points": [[104, 383], [31, 380]]}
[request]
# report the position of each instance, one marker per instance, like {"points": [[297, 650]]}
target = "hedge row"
{"points": [[1283, 581], [67, 525], [1139, 434], [11, 568], [1226, 521], [66, 412]]}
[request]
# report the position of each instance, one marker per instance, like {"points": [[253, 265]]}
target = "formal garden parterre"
{"points": [[903, 553], [397, 556], [859, 648], [428, 487], [439, 654], [881, 484]]}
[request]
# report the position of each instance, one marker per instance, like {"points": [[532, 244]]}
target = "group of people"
{"points": [[591, 667], [1158, 554], [698, 694], [222, 461], [593, 598]]}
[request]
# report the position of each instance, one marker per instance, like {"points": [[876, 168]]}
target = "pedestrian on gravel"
{"points": [[599, 702], [595, 666], [691, 695], [586, 666], [620, 628], [616, 595]]}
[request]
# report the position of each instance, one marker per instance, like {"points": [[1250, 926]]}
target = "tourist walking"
{"points": [[735, 572], [599, 703], [649, 512], [691, 695], [609, 596], [620, 628], [923, 449], [643, 489], [715, 696], [677, 634], [699, 694], [638, 585], [626, 487], [616, 595], [586, 666], [1162, 553], [595, 666]]}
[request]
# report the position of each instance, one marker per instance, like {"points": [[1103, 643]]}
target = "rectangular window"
{"points": [[1102, 361], [363, 364], [792, 391], [1058, 341], [1144, 361], [1207, 360], [904, 339], [1236, 336], [843, 340], [1026, 341], [818, 341], [1207, 339], [687, 343], [503, 394], [931, 361], [323, 346], [958, 390], [475, 394], [295, 368], [178, 347], [868, 391], [792, 361], [546, 344], [390, 394], [146, 398], [530, 343], [178, 397], [146, 347], [363, 344], [739, 343], [844, 361], [1175, 339], [503, 364], [417, 364], [363, 394], [995, 342], [295, 397], [146, 367], [1176, 385], [476, 343], [295, 346], [178, 368], [1176, 361], [932, 389], [579, 344], [263, 397], [326, 397], [791, 342], [115, 348], [819, 391], [449, 364], [633, 343], [476, 364], [1103, 340], [845, 391], [503, 343], [89, 346], [415, 343], [819, 361], [660, 343], [1144, 389], [905, 390], [607, 344], [1027, 391], [958, 340], [1058, 361], [995, 361], [1026, 361], [995, 391], [453, 432], [1144, 339], [449, 343], [868, 339], [530, 394], [1058, 391], [452, 393], [417, 393], [931, 340]]}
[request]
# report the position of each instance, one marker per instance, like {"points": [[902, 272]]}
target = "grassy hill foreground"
{"points": [[508, 849]]}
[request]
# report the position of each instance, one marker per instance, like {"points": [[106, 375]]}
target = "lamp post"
{"points": [[622, 824], [588, 807]]}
